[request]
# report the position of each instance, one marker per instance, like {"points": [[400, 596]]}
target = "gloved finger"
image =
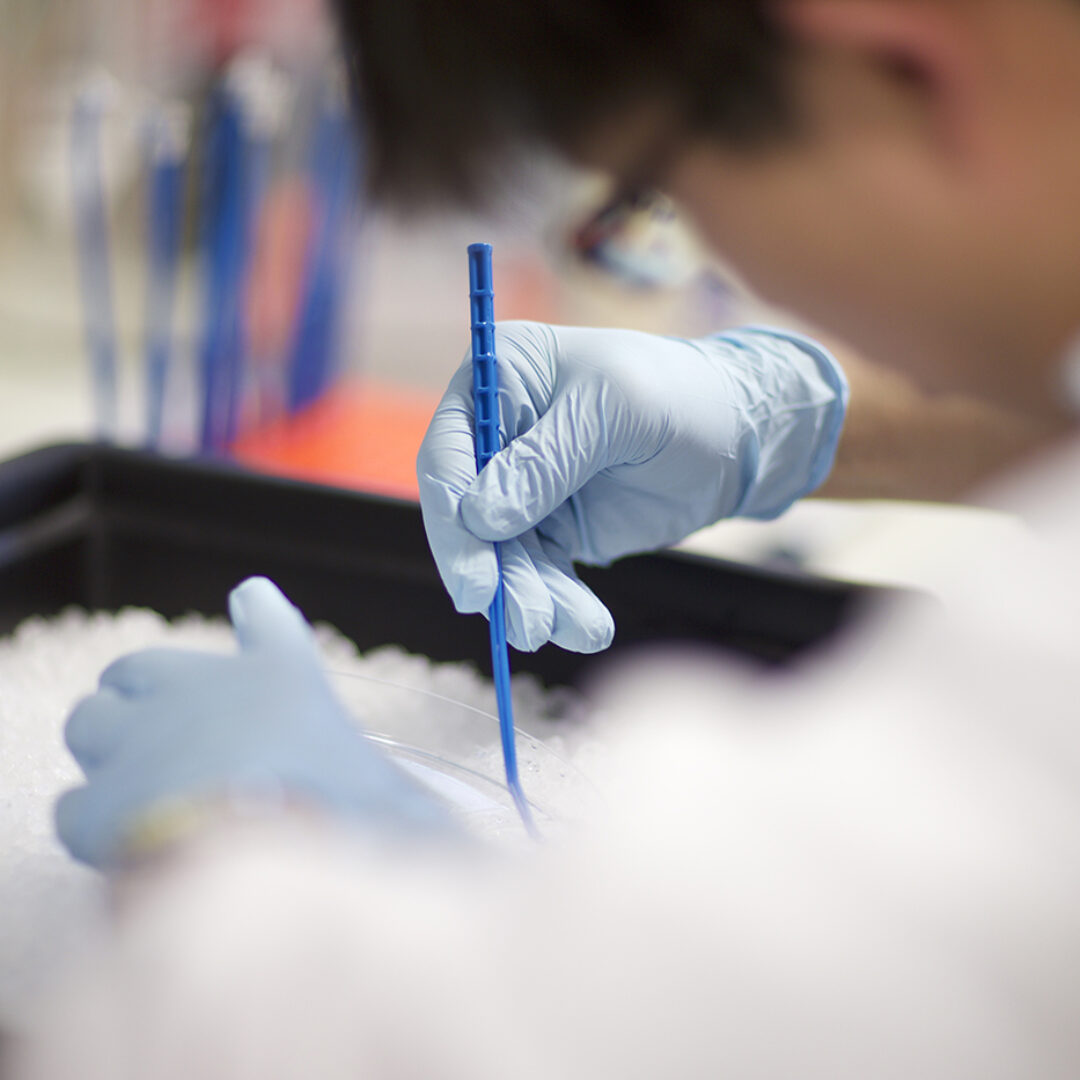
{"points": [[95, 727], [76, 818], [445, 467], [140, 672], [582, 623], [447, 455], [538, 471], [466, 565], [265, 620], [530, 612]]}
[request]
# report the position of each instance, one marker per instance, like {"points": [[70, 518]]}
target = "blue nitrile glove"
{"points": [[171, 728], [619, 442]]}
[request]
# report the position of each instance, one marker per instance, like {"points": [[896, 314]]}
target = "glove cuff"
{"points": [[795, 427]]}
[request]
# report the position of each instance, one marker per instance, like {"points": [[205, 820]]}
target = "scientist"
{"points": [[864, 869]]}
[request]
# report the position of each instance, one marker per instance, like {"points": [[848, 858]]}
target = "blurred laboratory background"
{"points": [[188, 265]]}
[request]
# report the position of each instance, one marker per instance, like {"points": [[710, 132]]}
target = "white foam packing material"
{"points": [[48, 902]]}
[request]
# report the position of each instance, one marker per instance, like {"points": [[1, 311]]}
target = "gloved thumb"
{"points": [[264, 619], [537, 472]]}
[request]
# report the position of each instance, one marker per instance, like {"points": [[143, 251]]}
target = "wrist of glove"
{"points": [[170, 733], [791, 395], [617, 442]]}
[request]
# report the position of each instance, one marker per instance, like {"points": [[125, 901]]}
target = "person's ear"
{"points": [[927, 50]]}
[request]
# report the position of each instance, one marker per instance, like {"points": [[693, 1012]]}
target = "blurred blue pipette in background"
{"points": [[92, 230], [334, 166], [235, 161], [486, 414], [223, 254], [168, 151]]}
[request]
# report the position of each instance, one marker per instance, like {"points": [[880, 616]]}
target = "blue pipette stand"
{"points": [[486, 411]]}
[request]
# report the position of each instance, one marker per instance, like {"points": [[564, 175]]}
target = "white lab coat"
{"points": [[869, 867]]}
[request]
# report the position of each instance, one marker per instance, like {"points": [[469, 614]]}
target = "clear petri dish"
{"points": [[453, 750]]}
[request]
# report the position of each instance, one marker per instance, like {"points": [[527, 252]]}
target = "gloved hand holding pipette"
{"points": [[171, 733], [620, 442]]}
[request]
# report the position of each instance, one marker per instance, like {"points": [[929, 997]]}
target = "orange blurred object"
{"points": [[362, 435]]}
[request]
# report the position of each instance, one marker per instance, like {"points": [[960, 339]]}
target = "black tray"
{"points": [[105, 528]]}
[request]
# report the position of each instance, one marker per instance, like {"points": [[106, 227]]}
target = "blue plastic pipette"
{"points": [[486, 413], [225, 208], [168, 151], [333, 168]]}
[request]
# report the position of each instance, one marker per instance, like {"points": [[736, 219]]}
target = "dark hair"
{"points": [[446, 88]]}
